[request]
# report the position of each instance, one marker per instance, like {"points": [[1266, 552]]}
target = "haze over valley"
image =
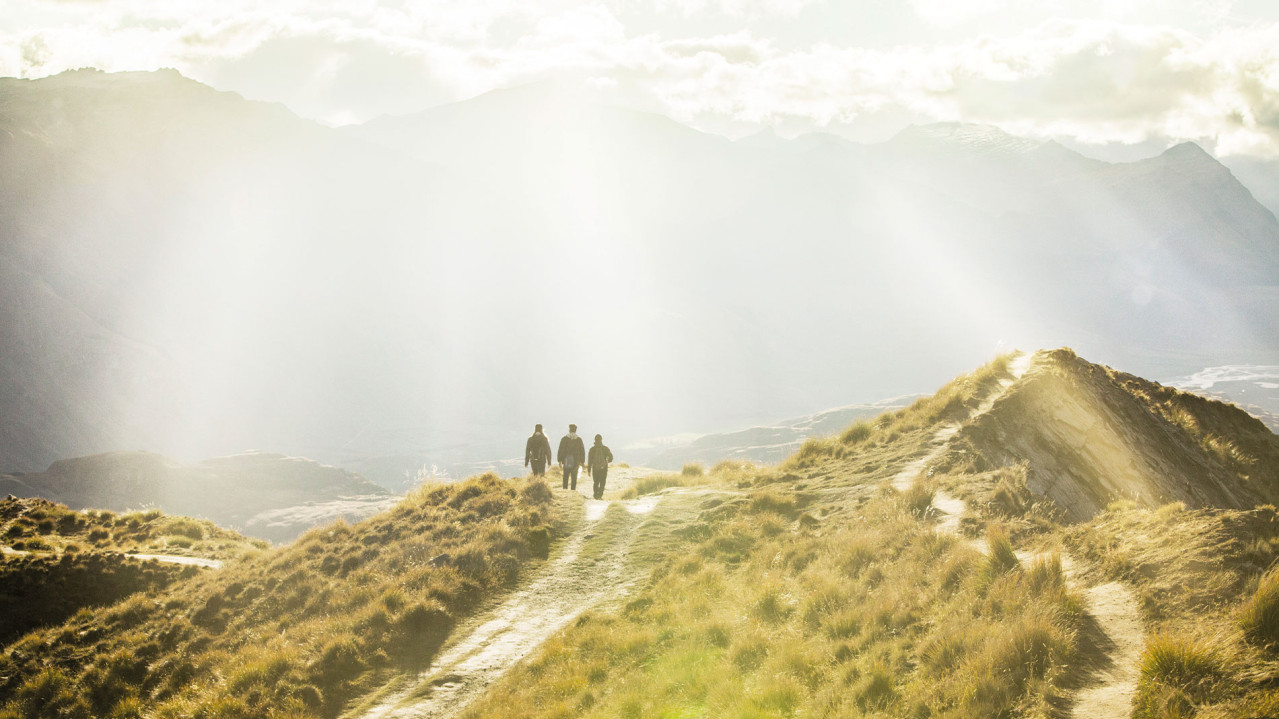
{"points": [[194, 274]]}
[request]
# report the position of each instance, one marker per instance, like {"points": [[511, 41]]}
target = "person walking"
{"points": [[538, 451], [597, 465], [571, 455]]}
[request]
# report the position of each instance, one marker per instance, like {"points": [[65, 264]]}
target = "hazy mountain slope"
{"points": [[767, 445], [174, 251], [196, 274], [1261, 175], [294, 494]]}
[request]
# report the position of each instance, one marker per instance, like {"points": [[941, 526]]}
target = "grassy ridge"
{"points": [[772, 612], [290, 632], [821, 592], [807, 589], [64, 560]]}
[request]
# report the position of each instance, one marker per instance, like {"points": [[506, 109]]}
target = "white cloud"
{"points": [[1114, 79]]}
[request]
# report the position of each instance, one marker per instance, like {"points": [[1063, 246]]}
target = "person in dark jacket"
{"points": [[571, 455], [538, 451], [597, 465]]}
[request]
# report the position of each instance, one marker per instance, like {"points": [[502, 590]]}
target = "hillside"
{"points": [[191, 273], [1045, 537], [850, 581], [336, 612], [57, 561], [265, 495], [1086, 436]]}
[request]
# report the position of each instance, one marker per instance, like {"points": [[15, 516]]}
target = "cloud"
{"points": [[1122, 78]]}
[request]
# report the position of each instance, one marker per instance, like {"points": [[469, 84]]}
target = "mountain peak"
{"points": [[983, 139], [1190, 154]]}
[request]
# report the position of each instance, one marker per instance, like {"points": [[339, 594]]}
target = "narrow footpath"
{"points": [[593, 566], [1112, 605]]}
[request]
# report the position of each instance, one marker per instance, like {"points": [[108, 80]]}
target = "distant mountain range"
{"points": [[188, 272], [263, 495], [768, 444]]}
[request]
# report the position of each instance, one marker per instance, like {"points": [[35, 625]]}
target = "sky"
{"points": [[1103, 73]]}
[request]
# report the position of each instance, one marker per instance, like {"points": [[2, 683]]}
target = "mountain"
{"points": [[765, 445], [265, 495], [1042, 534], [191, 273], [1261, 175]]}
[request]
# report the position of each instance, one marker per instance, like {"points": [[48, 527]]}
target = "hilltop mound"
{"points": [[1088, 435], [57, 561]]}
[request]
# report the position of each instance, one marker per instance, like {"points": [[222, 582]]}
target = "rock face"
{"points": [[235, 491], [1088, 435]]}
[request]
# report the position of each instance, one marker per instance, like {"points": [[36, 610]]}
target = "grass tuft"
{"points": [[1259, 616]]}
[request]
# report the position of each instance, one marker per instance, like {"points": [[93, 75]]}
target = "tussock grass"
{"points": [[1177, 674], [654, 483], [77, 558], [1259, 615], [290, 632], [1001, 558], [763, 616], [692, 474], [918, 499], [1207, 600]]}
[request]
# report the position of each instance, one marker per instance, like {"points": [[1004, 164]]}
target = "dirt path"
{"points": [[1017, 367], [1112, 605], [1115, 608], [175, 559], [593, 566], [166, 558]]}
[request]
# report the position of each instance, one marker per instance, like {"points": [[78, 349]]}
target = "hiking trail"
{"points": [[593, 566], [1112, 605]]}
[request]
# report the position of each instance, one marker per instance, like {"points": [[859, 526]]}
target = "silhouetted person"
{"points": [[571, 455], [538, 451], [597, 465]]}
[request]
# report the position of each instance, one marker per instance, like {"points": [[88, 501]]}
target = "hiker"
{"points": [[538, 451], [571, 455], [597, 465]]}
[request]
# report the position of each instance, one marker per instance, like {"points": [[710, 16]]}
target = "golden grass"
{"points": [[290, 632], [1208, 604], [952, 402], [765, 616]]}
